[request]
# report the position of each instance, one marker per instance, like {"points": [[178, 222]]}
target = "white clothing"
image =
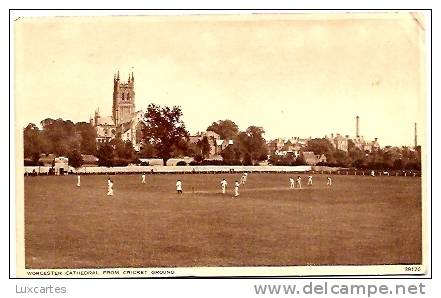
{"points": [[78, 181], [236, 189], [143, 179], [224, 185], [178, 185], [110, 188]]}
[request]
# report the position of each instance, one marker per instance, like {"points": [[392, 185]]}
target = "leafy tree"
{"points": [[123, 149], [320, 146], [341, 158], [388, 160], [252, 144], [61, 136], [75, 159], [230, 153], [300, 160], [32, 142], [198, 158], [192, 149], [398, 164], [105, 155], [204, 146], [88, 137], [164, 129], [148, 151], [226, 129], [247, 161], [181, 148]]}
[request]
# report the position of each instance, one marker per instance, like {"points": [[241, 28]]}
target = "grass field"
{"points": [[359, 220]]}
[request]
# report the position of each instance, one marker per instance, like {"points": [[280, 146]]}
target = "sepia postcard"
{"points": [[221, 144]]}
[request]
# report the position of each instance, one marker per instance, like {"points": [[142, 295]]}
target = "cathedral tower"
{"points": [[123, 99]]}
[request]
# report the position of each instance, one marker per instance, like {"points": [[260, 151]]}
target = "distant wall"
{"points": [[175, 169], [326, 169]]}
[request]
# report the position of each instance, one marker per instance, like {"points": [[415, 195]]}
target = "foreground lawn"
{"points": [[359, 220]]}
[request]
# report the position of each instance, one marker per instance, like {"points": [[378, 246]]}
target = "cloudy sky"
{"points": [[294, 75]]}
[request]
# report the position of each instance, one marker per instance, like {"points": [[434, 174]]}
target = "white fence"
{"points": [[173, 169]]}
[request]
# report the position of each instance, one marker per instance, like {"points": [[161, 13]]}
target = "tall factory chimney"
{"points": [[416, 138], [357, 127]]}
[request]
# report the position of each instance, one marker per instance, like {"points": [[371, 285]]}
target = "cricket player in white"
{"points": [[299, 182], [291, 183], [179, 186], [143, 178], [109, 187], [224, 185], [329, 181], [242, 179], [78, 181], [245, 175], [236, 188], [309, 180]]}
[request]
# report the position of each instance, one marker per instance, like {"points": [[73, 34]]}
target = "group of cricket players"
{"points": [[298, 182], [293, 184]]}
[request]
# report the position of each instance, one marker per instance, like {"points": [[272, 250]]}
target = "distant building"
{"points": [[360, 142], [339, 142], [310, 158], [125, 122], [321, 158], [217, 144], [61, 165], [133, 130], [89, 160], [366, 146], [342, 143], [282, 147], [47, 160], [276, 145]]}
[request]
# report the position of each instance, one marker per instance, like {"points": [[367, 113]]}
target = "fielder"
{"points": [[299, 182], [309, 180], [329, 182], [109, 187], [291, 183], [78, 181], [224, 185], [143, 178], [179, 186], [236, 188]]}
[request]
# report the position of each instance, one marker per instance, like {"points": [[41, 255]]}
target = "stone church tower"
{"points": [[123, 108]]}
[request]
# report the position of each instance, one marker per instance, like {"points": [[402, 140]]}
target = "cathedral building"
{"points": [[125, 122]]}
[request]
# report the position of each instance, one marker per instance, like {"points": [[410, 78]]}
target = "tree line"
{"points": [[387, 158], [165, 136]]}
